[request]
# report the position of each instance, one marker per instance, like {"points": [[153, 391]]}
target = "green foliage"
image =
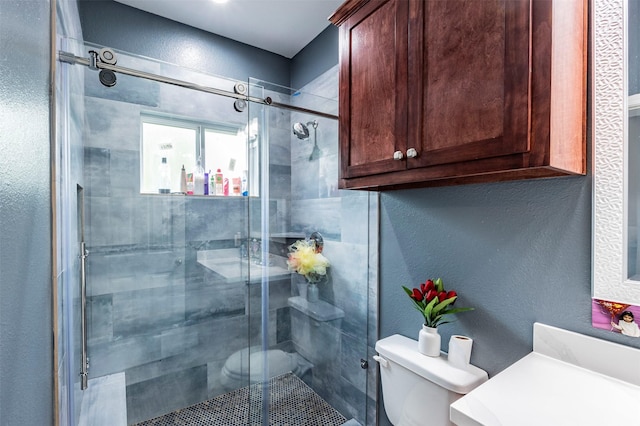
{"points": [[434, 302]]}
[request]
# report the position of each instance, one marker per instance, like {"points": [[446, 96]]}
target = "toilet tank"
{"points": [[417, 389]]}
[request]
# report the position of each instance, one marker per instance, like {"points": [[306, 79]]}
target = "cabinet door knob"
{"points": [[398, 155], [412, 153]]}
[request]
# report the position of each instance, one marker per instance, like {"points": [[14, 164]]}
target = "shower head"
{"points": [[302, 130]]}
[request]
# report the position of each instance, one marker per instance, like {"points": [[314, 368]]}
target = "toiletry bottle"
{"points": [[164, 175], [206, 183], [235, 186], [245, 189], [183, 180], [189, 183], [225, 187], [219, 183], [198, 179], [212, 183]]}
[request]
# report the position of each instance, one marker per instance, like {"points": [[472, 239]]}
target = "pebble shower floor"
{"points": [[292, 403]]}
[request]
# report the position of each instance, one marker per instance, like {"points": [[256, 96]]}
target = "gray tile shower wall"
{"points": [[155, 313], [348, 222], [170, 323]]}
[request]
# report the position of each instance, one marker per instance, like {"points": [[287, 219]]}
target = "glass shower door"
{"points": [[166, 300], [328, 337], [190, 301]]}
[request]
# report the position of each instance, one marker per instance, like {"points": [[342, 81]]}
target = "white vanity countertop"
{"points": [[568, 380]]}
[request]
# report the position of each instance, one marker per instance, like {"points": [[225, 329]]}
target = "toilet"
{"points": [[236, 372], [315, 338], [418, 389]]}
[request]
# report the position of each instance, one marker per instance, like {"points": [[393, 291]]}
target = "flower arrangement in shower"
{"points": [[306, 259], [434, 302]]}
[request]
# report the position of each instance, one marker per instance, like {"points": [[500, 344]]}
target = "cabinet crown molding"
{"points": [[347, 9]]}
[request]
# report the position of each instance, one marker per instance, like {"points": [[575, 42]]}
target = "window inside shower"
{"points": [[175, 143]]}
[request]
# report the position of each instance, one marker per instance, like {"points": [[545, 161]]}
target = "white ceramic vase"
{"points": [[429, 341], [312, 293]]}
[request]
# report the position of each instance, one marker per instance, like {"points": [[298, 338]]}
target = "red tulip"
{"points": [[431, 294], [417, 295], [428, 285], [451, 294], [442, 296]]}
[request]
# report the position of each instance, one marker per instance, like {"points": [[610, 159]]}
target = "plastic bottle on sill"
{"points": [[183, 180], [219, 182], [164, 175], [189, 183], [236, 186], [244, 188], [198, 179]]}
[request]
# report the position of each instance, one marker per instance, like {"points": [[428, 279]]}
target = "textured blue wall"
{"points": [[317, 57], [26, 350], [519, 252], [111, 24]]}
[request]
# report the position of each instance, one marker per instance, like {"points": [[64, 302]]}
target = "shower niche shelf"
{"points": [[439, 93]]}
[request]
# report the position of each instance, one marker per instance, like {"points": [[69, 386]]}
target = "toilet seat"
{"points": [[247, 363]]}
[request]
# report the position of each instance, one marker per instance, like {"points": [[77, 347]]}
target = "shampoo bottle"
{"points": [[236, 185], [244, 187], [183, 180], [164, 175], [189, 183], [219, 183], [198, 179]]}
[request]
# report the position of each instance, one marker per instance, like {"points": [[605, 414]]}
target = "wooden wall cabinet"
{"points": [[443, 92]]}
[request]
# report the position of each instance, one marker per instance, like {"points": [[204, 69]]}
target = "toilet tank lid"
{"points": [[404, 351]]}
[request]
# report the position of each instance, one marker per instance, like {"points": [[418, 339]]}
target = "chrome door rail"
{"points": [[73, 59]]}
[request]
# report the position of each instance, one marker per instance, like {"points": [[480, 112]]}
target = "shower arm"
{"points": [[92, 63]]}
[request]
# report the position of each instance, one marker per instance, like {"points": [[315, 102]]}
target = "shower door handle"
{"points": [[84, 362]]}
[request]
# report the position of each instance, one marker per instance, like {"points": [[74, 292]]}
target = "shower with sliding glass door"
{"points": [[179, 197]]}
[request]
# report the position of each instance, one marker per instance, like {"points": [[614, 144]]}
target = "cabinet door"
{"points": [[373, 88], [468, 79]]}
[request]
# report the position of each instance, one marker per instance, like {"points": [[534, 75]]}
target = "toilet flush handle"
{"points": [[383, 362]]}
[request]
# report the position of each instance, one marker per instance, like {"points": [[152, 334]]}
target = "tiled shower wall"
{"points": [[154, 312], [161, 317], [348, 221]]}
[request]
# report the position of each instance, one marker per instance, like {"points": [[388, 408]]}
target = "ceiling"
{"points": [[279, 26]]}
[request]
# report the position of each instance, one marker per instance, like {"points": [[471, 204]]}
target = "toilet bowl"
{"points": [[245, 366], [315, 338], [418, 389]]}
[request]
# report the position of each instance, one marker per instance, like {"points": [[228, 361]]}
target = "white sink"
{"points": [[228, 264], [569, 379]]}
